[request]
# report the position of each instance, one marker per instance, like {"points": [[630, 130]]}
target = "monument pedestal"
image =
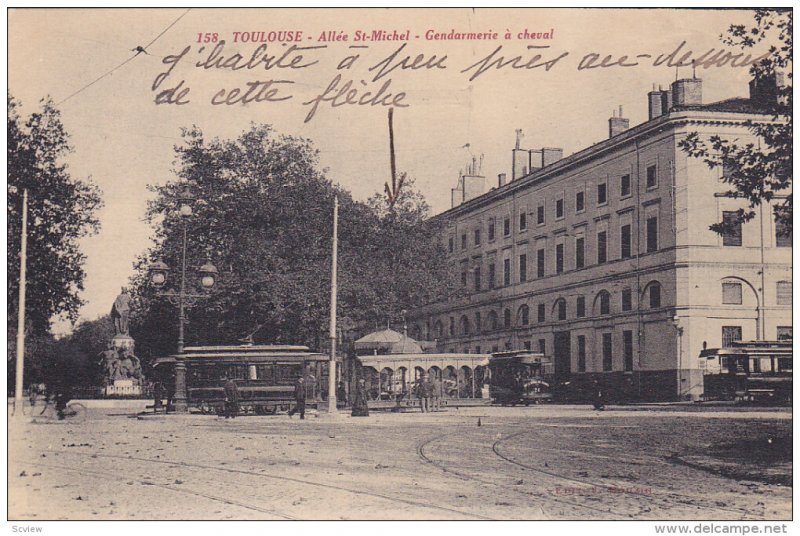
{"points": [[120, 342], [123, 388]]}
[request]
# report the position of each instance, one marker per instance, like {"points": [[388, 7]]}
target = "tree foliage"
{"points": [[61, 211], [758, 172], [263, 217]]}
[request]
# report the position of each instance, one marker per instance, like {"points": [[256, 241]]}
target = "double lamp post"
{"points": [[183, 299]]}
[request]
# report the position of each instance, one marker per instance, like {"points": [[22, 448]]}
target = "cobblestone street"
{"points": [[545, 462]]}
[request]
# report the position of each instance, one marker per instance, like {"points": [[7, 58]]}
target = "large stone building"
{"points": [[604, 259]]}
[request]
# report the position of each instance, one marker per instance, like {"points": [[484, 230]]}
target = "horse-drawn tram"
{"points": [[520, 377], [749, 371], [265, 375]]}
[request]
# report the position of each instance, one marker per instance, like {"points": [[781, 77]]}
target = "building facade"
{"points": [[604, 260]]}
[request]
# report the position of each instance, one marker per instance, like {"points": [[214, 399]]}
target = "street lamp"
{"points": [[159, 274]]}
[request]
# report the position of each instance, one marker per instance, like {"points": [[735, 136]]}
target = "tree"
{"points": [[61, 211], [263, 216], [759, 173]]}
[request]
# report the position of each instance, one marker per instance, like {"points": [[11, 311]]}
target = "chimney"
{"points": [[617, 125], [687, 92], [765, 90], [536, 159], [659, 102], [520, 163], [550, 155], [501, 180]]}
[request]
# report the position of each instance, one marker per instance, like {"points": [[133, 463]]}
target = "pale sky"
{"points": [[124, 141]]}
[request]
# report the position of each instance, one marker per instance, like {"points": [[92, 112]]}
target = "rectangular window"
{"points": [[506, 272], [523, 221], [731, 334], [562, 309], [477, 349], [506, 226], [540, 215], [523, 268], [540, 312], [477, 237], [579, 252], [602, 252], [652, 177], [579, 202], [477, 274], [652, 234], [625, 186], [559, 258], [580, 307], [732, 293], [492, 275], [581, 353], [491, 230], [602, 197], [559, 209], [540, 263], [625, 241], [450, 245], [732, 235], [627, 349], [464, 278], [527, 345], [627, 299], [608, 358], [464, 241], [542, 346], [784, 292], [783, 234]]}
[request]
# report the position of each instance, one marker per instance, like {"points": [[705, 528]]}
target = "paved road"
{"points": [[547, 462]]}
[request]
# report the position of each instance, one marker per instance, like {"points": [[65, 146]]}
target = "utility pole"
{"points": [[21, 309], [332, 333]]}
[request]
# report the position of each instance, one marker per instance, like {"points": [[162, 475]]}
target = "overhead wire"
{"points": [[110, 72]]}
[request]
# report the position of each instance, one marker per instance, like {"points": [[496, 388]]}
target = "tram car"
{"points": [[520, 377], [749, 371], [265, 376]]}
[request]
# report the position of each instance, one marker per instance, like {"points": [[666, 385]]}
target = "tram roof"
{"points": [[370, 360], [524, 357], [244, 354], [782, 349]]}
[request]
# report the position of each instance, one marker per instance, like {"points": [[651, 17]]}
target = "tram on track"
{"points": [[749, 371], [265, 376], [520, 377]]}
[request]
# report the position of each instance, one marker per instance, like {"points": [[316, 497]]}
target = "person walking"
{"points": [[341, 395], [599, 402], [231, 399], [299, 398], [360, 406], [437, 394]]}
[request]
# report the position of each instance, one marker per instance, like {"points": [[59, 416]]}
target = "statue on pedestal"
{"points": [[120, 311]]}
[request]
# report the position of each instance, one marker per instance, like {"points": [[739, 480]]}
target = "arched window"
{"points": [[523, 314], [507, 318], [464, 325], [492, 319], [655, 295], [560, 309], [438, 329], [602, 303]]}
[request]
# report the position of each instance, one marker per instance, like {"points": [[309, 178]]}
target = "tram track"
{"points": [[664, 493], [390, 498], [469, 477], [181, 490]]}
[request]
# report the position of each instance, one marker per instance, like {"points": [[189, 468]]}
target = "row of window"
{"points": [[580, 257], [602, 306], [732, 293], [731, 237]]}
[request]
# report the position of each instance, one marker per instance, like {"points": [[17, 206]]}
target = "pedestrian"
{"points": [[437, 394], [360, 406], [231, 399], [158, 396], [421, 391], [341, 395], [429, 386], [299, 398], [599, 403]]}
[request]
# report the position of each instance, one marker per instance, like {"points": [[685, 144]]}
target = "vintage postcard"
{"points": [[400, 264]]}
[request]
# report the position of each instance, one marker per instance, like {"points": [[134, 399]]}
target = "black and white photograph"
{"points": [[394, 264]]}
